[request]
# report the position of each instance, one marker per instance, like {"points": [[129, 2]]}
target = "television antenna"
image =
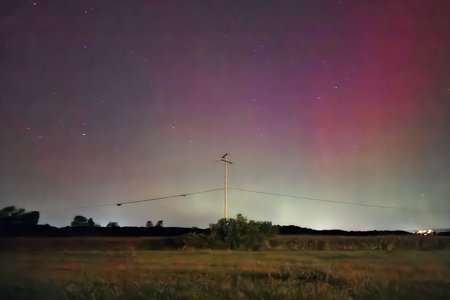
{"points": [[225, 185]]}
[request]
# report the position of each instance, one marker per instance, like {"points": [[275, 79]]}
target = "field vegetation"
{"points": [[235, 259], [128, 272]]}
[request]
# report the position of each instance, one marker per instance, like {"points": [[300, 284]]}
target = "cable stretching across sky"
{"points": [[257, 192], [168, 197], [139, 201], [329, 201]]}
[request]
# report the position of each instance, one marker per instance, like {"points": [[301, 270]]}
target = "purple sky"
{"points": [[112, 101]]}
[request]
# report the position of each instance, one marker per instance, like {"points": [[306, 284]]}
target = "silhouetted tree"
{"points": [[112, 224], [159, 223], [8, 211], [10, 215], [241, 232], [79, 221], [30, 218], [149, 224], [83, 221]]}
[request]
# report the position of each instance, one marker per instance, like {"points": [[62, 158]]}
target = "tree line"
{"points": [[10, 216], [13, 216], [81, 221], [231, 233]]}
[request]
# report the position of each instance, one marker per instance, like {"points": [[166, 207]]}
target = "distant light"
{"points": [[425, 232]]}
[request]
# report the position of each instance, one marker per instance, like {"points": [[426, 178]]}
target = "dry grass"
{"points": [[128, 273]]}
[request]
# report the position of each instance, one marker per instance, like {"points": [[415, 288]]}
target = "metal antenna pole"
{"points": [[225, 191], [225, 188]]}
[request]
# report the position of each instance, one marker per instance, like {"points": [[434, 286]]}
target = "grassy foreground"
{"points": [[223, 274]]}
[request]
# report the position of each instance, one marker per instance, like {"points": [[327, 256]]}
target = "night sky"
{"points": [[112, 101]]}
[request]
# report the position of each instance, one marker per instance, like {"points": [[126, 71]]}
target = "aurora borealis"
{"points": [[111, 101]]}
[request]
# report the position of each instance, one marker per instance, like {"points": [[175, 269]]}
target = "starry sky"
{"points": [[111, 101]]}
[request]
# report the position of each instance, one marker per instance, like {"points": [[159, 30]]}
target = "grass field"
{"points": [[221, 274]]}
